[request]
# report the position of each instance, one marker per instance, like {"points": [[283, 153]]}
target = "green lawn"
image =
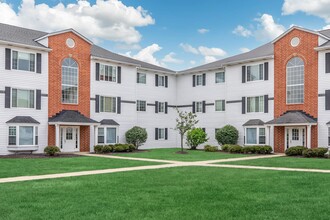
{"points": [[174, 193], [291, 162], [29, 167], [170, 154]]}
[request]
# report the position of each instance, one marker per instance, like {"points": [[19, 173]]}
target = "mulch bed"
{"points": [[136, 151], [34, 156]]}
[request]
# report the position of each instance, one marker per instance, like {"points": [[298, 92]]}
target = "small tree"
{"points": [[195, 137], [227, 135], [136, 136], [185, 122]]}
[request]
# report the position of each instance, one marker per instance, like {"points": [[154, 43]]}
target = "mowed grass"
{"points": [[170, 154], [174, 193], [29, 167], [290, 162]]}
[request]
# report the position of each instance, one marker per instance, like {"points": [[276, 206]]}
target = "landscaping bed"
{"points": [[35, 156]]}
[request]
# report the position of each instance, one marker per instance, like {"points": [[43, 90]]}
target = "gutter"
{"points": [[25, 46]]}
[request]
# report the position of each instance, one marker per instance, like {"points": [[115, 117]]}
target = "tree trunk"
{"points": [[181, 142]]}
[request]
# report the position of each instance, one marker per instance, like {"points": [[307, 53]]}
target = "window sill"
{"points": [[23, 148]]}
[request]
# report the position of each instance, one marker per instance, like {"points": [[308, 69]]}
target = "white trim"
{"points": [[8, 43], [105, 134], [62, 32], [73, 123], [257, 127]]}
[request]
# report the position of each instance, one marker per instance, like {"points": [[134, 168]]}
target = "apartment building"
{"points": [[60, 89]]}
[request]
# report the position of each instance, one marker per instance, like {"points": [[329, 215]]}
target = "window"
{"points": [[108, 73], [199, 106], [255, 136], [161, 106], [23, 61], [107, 135], [100, 135], [107, 104], [255, 104], [22, 98], [199, 80], [295, 81], [69, 81], [23, 135], [111, 135], [220, 77], [220, 105], [255, 72], [141, 78], [141, 106], [295, 134], [161, 80], [69, 134], [161, 133]]}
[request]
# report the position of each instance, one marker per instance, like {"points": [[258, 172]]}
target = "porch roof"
{"points": [[22, 120], [254, 122], [294, 118], [109, 122], [71, 117]]}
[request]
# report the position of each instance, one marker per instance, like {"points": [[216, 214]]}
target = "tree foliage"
{"points": [[227, 135], [136, 136], [195, 137]]}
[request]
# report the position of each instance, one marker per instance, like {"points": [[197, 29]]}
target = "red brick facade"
{"points": [[283, 52], [81, 54]]}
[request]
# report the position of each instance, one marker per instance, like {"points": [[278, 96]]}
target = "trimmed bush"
{"points": [[136, 136], [235, 149], [295, 151], [195, 137], [227, 135], [315, 152], [123, 148], [51, 150], [225, 147], [209, 148], [107, 149], [98, 149], [247, 150]]}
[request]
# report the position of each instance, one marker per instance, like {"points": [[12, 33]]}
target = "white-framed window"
{"points": [[22, 98], [108, 104], [255, 136], [107, 135], [220, 105], [161, 133], [69, 81], [23, 61], [295, 81], [141, 106], [255, 72], [161, 107], [141, 78], [108, 73], [199, 80], [23, 135], [220, 77], [255, 104], [199, 106], [161, 80]]}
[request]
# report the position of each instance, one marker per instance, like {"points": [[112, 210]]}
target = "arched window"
{"points": [[295, 81], [69, 81]]}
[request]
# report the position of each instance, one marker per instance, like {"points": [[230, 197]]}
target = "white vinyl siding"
{"points": [[23, 61], [255, 72], [108, 104], [255, 104], [22, 98], [108, 73]]}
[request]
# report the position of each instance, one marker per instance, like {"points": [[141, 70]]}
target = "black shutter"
{"points": [[194, 80], [97, 103], [119, 74], [193, 108], [38, 62], [243, 105], [327, 63], [156, 133], [166, 133], [156, 80], [118, 105], [204, 79], [97, 71], [38, 99], [7, 97], [266, 104], [166, 81], [156, 107], [204, 106], [8, 59], [327, 99], [243, 73], [166, 107], [266, 70]]}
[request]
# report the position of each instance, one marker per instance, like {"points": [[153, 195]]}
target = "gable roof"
{"points": [[22, 120], [254, 122], [293, 117], [71, 116], [109, 122], [65, 31]]}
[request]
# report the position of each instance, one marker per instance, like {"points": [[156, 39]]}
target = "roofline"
{"points": [[111, 60], [73, 123], [322, 48], [288, 125], [25, 46], [65, 31], [160, 71]]}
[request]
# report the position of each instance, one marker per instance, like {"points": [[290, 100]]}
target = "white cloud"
{"points": [[192, 62], [216, 52], [244, 49], [169, 58], [188, 48], [209, 59], [110, 20], [242, 31], [147, 54], [203, 30]]}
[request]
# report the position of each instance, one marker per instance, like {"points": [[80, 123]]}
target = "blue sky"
{"points": [[166, 33]]}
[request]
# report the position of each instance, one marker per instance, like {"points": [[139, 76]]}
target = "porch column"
{"points": [[309, 136], [57, 135], [94, 132], [267, 135]]}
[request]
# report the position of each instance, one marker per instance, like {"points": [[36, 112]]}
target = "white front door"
{"points": [[69, 138], [295, 136]]}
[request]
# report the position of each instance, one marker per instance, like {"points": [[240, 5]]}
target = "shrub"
{"points": [[51, 150], [122, 148], [136, 136], [225, 147], [235, 149], [98, 149], [209, 148], [131, 147], [315, 152], [263, 149], [195, 137], [248, 149], [107, 149], [295, 151], [227, 135]]}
